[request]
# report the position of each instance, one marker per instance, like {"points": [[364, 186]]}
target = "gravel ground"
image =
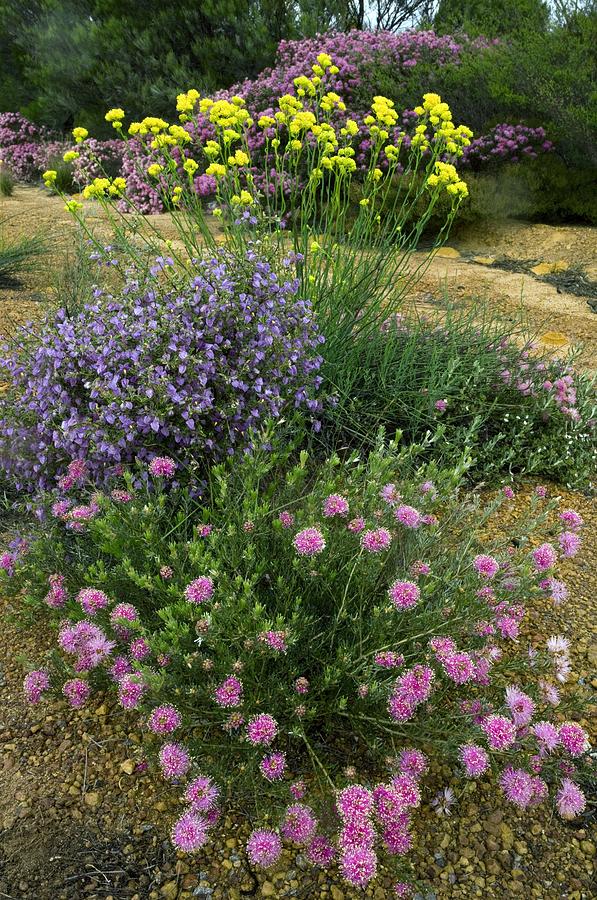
{"points": [[78, 820]]}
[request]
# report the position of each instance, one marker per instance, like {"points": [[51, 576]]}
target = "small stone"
{"points": [[102, 710], [92, 799], [588, 848], [169, 890], [484, 260], [507, 836], [128, 766], [268, 889], [337, 894], [447, 253], [554, 339]]}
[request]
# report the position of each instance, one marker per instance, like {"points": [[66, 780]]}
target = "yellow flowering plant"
{"points": [[297, 177]]}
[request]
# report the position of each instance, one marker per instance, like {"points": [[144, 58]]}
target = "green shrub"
{"points": [[481, 379], [299, 620], [64, 181], [6, 182], [18, 256]]}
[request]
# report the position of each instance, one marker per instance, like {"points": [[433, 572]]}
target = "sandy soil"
{"points": [[561, 319]]}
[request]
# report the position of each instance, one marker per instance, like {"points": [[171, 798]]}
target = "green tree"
{"points": [[492, 18]]}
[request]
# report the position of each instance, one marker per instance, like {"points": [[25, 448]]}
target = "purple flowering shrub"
{"points": [[311, 637], [506, 143], [187, 365]]}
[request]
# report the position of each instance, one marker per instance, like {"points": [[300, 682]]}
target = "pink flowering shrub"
{"points": [[379, 651]]}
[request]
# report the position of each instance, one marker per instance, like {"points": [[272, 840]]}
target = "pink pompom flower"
{"points": [[199, 590], [309, 542], [189, 833], [164, 719], [408, 516], [35, 683], [358, 865], [299, 823], [162, 467], [573, 738], [76, 692], [262, 729], [201, 793], [264, 848], [544, 557], [273, 766], [229, 693], [486, 566], [570, 800], [174, 760], [335, 505], [92, 600], [500, 732], [474, 759], [404, 594], [376, 541]]}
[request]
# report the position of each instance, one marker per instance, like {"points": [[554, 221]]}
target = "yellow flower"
{"points": [[80, 134], [377, 174], [176, 194], [419, 110], [240, 158], [185, 103], [296, 145], [190, 166], [312, 279], [115, 115], [317, 69], [154, 170], [334, 70], [180, 134], [216, 169], [70, 155], [314, 247], [304, 85], [49, 177], [98, 188], [72, 206], [324, 60], [266, 122], [244, 199], [117, 188], [217, 212], [212, 149], [364, 201]]}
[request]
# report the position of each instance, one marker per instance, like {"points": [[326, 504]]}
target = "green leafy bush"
{"points": [[297, 621]]}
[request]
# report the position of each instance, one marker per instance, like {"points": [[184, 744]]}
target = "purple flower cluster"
{"points": [[506, 143], [149, 371]]}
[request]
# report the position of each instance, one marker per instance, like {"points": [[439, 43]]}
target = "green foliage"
{"points": [[394, 378], [63, 184], [6, 182], [18, 256], [491, 18], [76, 57], [542, 190], [332, 609]]}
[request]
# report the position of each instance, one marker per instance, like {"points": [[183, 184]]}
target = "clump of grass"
{"points": [[73, 281], [63, 183], [7, 184], [18, 256]]}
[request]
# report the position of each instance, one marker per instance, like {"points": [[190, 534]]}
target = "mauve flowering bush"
{"points": [[304, 641], [506, 143], [191, 364]]}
